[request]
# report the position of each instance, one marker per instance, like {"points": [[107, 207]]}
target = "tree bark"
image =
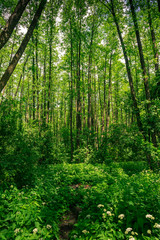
{"points": [[104, 95], [154, 45], [22, 47], [33, 83], [89, 78], [71, 91], [143, 66], [12, 22], [78, 116], [109, 92]]}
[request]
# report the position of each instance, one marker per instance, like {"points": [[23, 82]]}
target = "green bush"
{"points": [[19, 151], [122, 144]]}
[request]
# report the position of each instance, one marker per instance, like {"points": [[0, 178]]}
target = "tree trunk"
{"points": [[21, 75], [143, 66], [109, 92], [78, 116], [37, 73], [44, 87], [89, 78], [22, 47], [154, 45], [33, 83], [104, 95], [12, 22], [137, 112], [71, 92]]}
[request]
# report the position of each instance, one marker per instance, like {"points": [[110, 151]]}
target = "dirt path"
{"points": [[70, 218]]}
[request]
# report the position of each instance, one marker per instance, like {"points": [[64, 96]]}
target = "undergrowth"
{"points": [[117, 201]]}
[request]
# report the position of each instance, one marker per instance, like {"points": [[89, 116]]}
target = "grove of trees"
{"points": [[79, 119]]}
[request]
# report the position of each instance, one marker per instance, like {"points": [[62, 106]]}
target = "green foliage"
{"points": [[22, 215], [131, 167], [23, 147], [111, 203], [83, 154], [122, 144], [19, 150]]}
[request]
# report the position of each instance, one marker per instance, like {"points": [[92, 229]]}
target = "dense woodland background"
{"points": [[79, 83]]}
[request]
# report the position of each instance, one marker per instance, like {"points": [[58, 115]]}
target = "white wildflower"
{"points": [[131, 238], [48, 226], [109, 213], [35, 230], [150, 216], [156, 225], [149, 231], [121, 216], [85, 231], [16, 230], [128, 230], [100, 205]]}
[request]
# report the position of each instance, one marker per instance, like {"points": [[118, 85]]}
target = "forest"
{"points": [[79, 119]]}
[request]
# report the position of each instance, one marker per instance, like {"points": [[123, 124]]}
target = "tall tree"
{"points": [[12, 22], [78, 86], [136, 108], [144, 70], [22, 47]]}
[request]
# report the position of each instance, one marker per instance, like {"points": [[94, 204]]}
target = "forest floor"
{"points": [[84, 201]]}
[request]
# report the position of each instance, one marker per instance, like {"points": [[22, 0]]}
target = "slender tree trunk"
{"points": [[153, 38], [78, 116], [84, 113], [143, 66], [100, 103], [24, 65], [22, 47], [109, 92], [37, 73], [50, 80], [50, 65], [104, 95], [89, 78], [22, 90], [33, 83], [44, 87], [71, 92], [116, 100], [27, 110]]}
